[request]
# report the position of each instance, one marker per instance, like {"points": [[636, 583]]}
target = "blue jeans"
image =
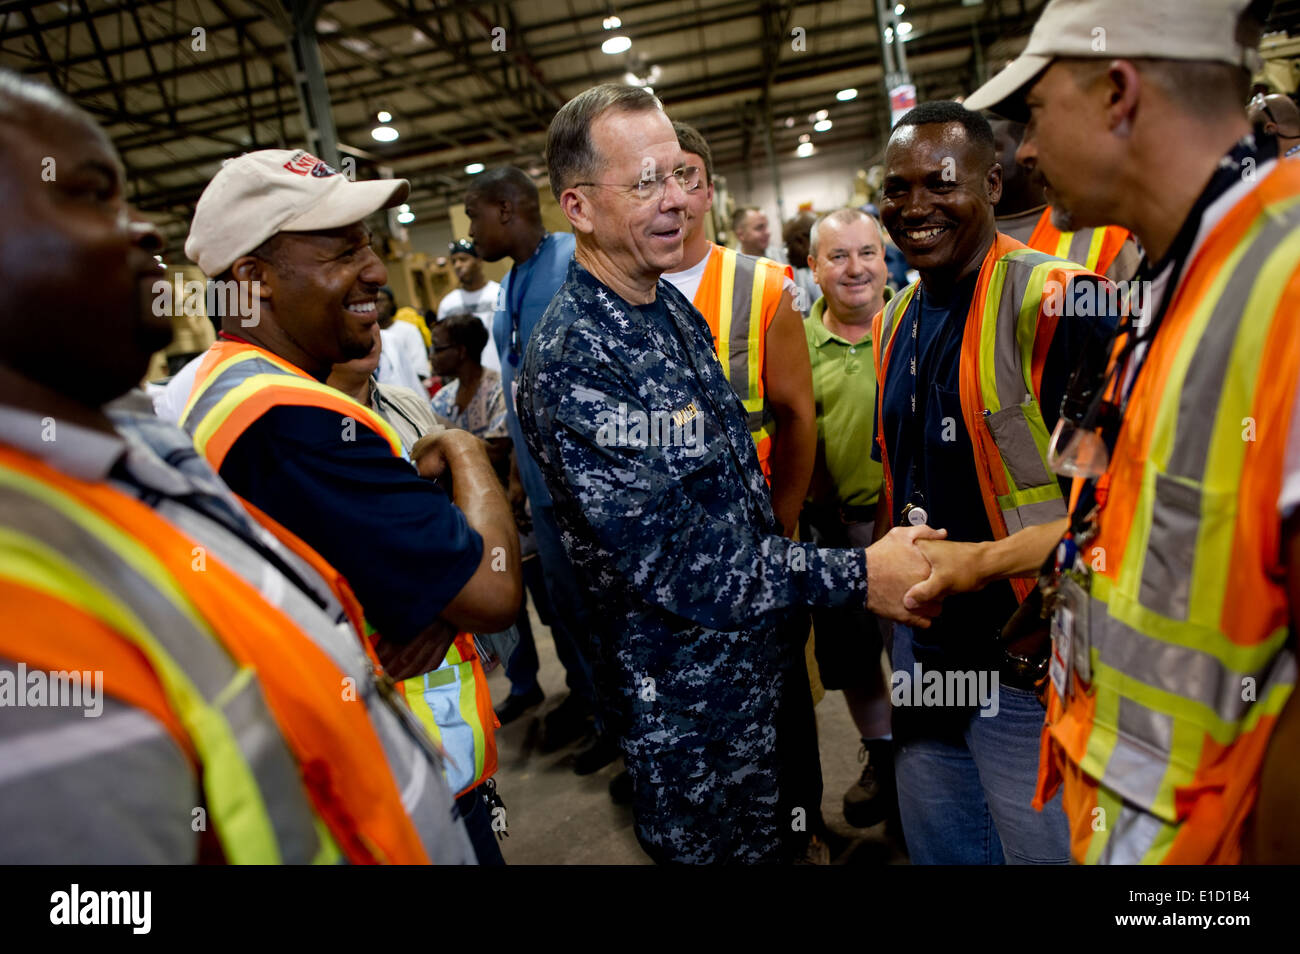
{"points": [[964, 795], [569, 620]]}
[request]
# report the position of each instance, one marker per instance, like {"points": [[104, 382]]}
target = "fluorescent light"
{"points": [[384, 134], [384, 116], [474, 168], [845, 95], [616, 44], [406, 218], [804, 150], [821, 114], [822, 126], [899, 10]]}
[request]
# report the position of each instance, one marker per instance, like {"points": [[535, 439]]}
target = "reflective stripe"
{"points": [[446, 702], [1134, 834], [1211, 676], [235, 379], [250, 779]]}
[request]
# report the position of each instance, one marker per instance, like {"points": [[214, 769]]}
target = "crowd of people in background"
{"points": [[296, 559]]}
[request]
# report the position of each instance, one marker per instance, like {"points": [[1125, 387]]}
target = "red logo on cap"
{"points": [[305, 164]]}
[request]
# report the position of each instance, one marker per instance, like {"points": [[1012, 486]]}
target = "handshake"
{"points": [[911, 569]]}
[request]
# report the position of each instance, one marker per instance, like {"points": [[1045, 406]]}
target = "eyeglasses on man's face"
{"points": [[651, 188]]}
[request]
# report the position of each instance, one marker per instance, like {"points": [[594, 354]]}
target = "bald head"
{"points": [[837, 218], [71, 252], [1276, 115]]}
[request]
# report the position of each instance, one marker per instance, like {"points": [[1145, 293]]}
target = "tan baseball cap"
{"points": [[261, 193], [1121, 29]]}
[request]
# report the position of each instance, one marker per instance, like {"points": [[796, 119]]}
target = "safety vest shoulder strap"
{"points": [[1095, 249], [240, 676], [884, 327], [237, 383]]}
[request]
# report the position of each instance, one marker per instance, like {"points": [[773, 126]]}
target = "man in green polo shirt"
{"points": [[847, 257]]}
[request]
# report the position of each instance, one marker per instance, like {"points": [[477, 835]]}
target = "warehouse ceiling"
{"points": [[182, 85]]}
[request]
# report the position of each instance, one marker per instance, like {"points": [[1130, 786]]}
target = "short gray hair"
{"points": [[843, 217], [570, 155]]}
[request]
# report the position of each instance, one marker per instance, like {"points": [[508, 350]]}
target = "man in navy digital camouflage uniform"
{"points": [[664, 511]]}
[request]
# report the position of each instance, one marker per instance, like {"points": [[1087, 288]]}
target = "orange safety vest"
{"points": [[738, 296], [110, 585], [1094, 249], [1008, 333], [1186, 628], [235, 385]]}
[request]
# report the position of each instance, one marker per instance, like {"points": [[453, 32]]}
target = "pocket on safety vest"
{"points": [[1013, 430]]}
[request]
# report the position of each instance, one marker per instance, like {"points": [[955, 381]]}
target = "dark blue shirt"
{"points": [[402, 545], [526, 291], [933, 453]]}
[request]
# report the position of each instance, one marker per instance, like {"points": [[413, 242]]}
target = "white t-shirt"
{"points": [[394, 360], [411, 343], [169, 400], [688, 280], [482, 303]]}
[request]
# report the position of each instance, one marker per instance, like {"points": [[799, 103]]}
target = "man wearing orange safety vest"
{"points": [[758, 333], [205, 678], [287, 230], [1025, 215], [971, 364], [1172, 728]]}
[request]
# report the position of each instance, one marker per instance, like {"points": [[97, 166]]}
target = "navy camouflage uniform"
{"points": [[683, 559]]}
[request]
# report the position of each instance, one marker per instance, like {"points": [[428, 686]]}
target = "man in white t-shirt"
{"points": [[476, 294], [405, 360]]}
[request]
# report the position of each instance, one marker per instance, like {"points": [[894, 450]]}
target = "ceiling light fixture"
{"points": [[611, 23], [615, 45], [821, 114], [899, 10], [474, 168], [845, 95], [384, 134], [405, 218], [384, 116], [904, 28], [822, 126], [804, 137], [804, 150]]}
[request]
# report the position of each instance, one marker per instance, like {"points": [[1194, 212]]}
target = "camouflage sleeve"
{"points": [[717, 572]]}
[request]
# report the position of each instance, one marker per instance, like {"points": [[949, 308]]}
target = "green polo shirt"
{"points": [[844, 389]]}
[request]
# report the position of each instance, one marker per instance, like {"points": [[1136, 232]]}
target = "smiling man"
{"points": [[286, 226], [668, 519], [971, 365]]}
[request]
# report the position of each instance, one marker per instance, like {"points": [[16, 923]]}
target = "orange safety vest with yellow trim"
{"points": [[1094, 249], [235, 385], [1185, 623], [288, 773], [1008, 332], [738, 296]]}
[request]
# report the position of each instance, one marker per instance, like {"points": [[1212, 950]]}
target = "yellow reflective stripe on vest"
{"points": [[726, 283], [251, 828], [465, 738], [753, 331]]}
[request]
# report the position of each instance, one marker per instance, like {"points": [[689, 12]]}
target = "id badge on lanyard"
{"points": [[1071, 618]]}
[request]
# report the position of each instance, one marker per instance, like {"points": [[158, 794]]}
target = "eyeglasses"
{"points": [[651, 188]]}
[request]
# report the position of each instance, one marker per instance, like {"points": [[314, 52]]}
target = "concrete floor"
{"points": [[556, 817]]}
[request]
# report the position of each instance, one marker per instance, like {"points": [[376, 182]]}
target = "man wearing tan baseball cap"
{"points": [[1171, 726], [289, 231]]}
